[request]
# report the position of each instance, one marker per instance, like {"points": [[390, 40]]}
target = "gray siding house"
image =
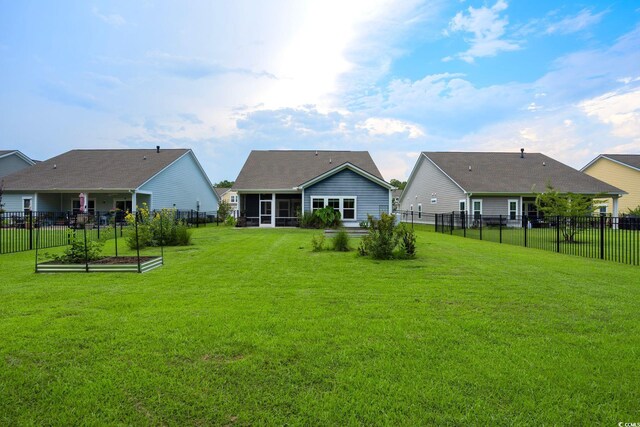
{"points": [[274, 186], [12, 161], [111, 179], [481, 183]]}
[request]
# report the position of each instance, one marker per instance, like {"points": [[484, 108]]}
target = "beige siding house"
{"points": [[619, 170], [228, 195]]}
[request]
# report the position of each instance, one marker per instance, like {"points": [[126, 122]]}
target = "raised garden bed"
{"points": [[108, 264]]}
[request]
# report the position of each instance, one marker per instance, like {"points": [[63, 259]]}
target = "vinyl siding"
{"points": [[13, 201], [620, 176], [495, 206], [11, 164], [371, 197], [427, 180], [182, 184]]}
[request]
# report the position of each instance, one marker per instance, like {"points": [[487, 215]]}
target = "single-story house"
{"points": [[395, 198], [274, 186], [492, 184], [230, 196], [621, 170], [111, 179], [12, 161]]}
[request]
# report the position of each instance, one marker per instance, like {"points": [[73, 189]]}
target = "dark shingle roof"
{"points": [[220, 191], [288, 169], [632, 160], [509, 173], [93, 170]]}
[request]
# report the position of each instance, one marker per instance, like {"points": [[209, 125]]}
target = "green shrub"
{"points": [[161, 228], [381, 239], [308, 220], [407, 239], [317, 242], [341, 242], [75, 253], [230, 221], [329, 217]]}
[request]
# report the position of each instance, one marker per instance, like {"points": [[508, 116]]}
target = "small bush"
{"points": [[75, 253], [407, 239], [158, 229], [326, 217], [182, 235], [381, 240], [317, 242], [230, 221], [341, 242], [308, 220]]}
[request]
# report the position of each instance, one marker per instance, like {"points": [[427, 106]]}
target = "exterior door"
{"points": [[265, 213]]}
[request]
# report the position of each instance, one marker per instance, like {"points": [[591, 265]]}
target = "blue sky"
{"points": [[391, 77]]}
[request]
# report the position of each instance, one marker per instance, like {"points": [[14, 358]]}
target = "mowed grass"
{"points": [[251, 327]]}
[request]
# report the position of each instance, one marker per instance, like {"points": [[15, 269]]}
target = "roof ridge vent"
{"points": [[469, 168], [522, 153], [329, 160]]}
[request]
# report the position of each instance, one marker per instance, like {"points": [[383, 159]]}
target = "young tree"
{"points": [[224, 210], [567, 206]]}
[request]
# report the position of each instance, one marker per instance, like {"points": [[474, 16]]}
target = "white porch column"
{"points": [[35, 202], [615, 212], [273, 209], [86, 203], [134, 202]]}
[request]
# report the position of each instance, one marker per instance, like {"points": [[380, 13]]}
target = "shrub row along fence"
{"points": [[18, 229], [608, 238]]}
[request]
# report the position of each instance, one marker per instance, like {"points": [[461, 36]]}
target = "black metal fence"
{"points": [[18, 229], [608, 238]]}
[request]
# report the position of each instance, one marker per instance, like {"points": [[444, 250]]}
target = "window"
{"points": [[477, 209], [513, 209], [317, 204], [602, 210], [419, 210], [91, 206], [27, 205], [233, 199], [411, 208], [462, 206], [434, 201], [349, 208], [345, 205]]}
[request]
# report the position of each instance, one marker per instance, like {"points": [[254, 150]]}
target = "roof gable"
{"points": [[17, 153], [289, 169], [351, 167], [94, 170], [511, 173], [629, 160]]}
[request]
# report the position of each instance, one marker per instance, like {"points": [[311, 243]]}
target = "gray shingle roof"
{"points": [[632, 160], [279, 169], [93, 170], [508, 173], [220, 191]]}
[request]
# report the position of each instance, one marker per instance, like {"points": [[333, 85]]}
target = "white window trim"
{"points": [[30, 198], [509, 201], [325, 200], [411, 207], [462, 201], [473, 210], [419, 210]]}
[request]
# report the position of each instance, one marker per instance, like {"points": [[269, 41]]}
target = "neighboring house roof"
{"points": [[121, 169], [6, 153], [220, 191], [509, 173], [280, 169], [629, 160], [396, 193]]}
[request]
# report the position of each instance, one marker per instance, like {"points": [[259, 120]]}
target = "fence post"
{"points": [[115, 234], [500, 225], [558, 234], [526, 228], [451, 223], [480, 218], [86, 253], [602, 224], [30, 229], [137, 243], [463, 216]]}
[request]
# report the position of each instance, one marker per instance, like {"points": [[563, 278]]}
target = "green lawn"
{"points": [[249, 327]]}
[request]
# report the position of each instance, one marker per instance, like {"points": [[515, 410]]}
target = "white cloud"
{"points": [[488, 29], [619, 109], [573, 24], [111, 19], [385, 126]]}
